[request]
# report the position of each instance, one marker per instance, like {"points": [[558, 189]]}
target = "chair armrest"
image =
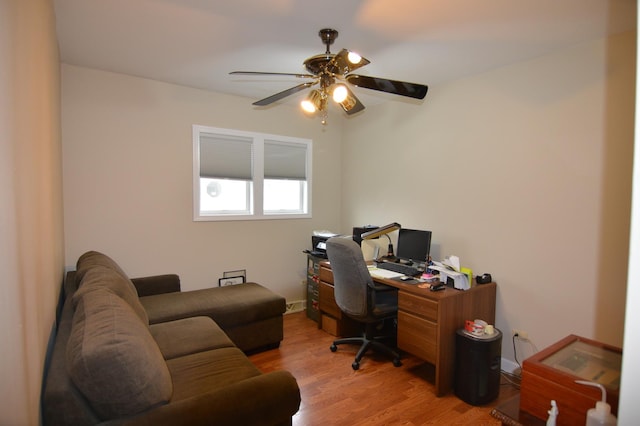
{"points": [[157, 284], [266, 399]]}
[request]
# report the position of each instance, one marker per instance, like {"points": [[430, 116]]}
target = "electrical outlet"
{"points": [[523, 335]]}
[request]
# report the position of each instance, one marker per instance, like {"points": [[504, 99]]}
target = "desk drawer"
{"points": [[327, 302], [417, 305], [326, 275], [417, 336]]}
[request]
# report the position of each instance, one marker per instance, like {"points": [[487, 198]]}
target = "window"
{"points": [[242, 175]]}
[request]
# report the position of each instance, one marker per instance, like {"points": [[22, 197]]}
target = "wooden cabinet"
{"points": [[552, 372], [418, 326], [418, 336], [427, 321], [328, 301]]}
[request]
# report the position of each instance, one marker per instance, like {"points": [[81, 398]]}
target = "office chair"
{"points": [[360, 298]]}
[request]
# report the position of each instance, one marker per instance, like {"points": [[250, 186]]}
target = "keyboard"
{"points": [[400, 268], [383, 273]]}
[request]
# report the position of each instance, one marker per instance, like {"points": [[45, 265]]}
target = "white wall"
{"points": [[523, 172], [629, 410], [127, 150], [31, 242]]}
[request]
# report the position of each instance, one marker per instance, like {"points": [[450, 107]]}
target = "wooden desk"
{"points": [[427, 320]]}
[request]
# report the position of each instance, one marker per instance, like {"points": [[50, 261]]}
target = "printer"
{"points": [[319, 244], [319, 240]]}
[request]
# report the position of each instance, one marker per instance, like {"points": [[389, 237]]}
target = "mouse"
{"points": [[406, 278]]}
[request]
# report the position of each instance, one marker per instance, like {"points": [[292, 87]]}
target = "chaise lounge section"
{"points": [[142, 352]]}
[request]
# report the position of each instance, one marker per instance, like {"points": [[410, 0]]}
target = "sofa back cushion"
{"points": [[94, 258], [101, 277], [112, 358]]}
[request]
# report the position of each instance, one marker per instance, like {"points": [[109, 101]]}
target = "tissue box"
{"points": [[552, 372]]}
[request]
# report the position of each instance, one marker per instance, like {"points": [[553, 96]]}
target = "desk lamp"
{"points": [[383, 230]]}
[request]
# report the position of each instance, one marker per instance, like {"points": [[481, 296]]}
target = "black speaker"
{"points": [[478, 367]]}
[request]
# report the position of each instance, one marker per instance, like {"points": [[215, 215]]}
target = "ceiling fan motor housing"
{"points": [[328, 36], [318, 63]]}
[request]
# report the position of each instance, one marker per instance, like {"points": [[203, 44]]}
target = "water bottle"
{"points": [[601, 414]]}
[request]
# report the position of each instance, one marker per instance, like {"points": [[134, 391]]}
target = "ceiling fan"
{"points": [[331, 71]]}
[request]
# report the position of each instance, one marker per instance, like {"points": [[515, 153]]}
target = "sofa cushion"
{"points": [[229, 306], [93, 258], [221, 387], [188, 335], [112, 358], [210, 370], [101, 277]]}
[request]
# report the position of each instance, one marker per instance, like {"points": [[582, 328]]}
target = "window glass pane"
{"points": [[224, 196], [284, 195]]}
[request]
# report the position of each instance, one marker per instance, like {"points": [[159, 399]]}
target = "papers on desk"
{"points": [[382, 273], [449, 269]]}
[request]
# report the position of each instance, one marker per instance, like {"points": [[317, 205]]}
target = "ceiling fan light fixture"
{"points": [[354, 58], [333, 75], [339, 93], [314, 102], [348, 103], [307, 106]]}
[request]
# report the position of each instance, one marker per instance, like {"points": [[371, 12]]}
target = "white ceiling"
{"points": [[198, 42]]}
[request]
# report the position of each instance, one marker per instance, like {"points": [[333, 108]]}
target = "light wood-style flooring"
{"points": [[377, 394]]}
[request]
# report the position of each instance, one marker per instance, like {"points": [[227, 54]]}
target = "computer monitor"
{"points": [[414, 245]]}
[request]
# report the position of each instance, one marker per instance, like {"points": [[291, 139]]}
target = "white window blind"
{"points": [[285, 161], [226, 157]]}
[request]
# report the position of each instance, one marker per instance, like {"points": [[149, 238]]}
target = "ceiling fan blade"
{"points": [[272, 73], [402, 88], [344, 62], [271, 99], [352, 104]]}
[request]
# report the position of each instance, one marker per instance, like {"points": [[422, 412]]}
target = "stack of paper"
{"points": [[450, 268]]}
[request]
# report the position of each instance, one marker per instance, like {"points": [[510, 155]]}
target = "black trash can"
{"points": [[478, 367]]}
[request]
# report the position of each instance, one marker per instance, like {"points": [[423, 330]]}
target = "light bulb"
{"points": [[308, 106], [340, 93], [314, 102], [354, 58]]}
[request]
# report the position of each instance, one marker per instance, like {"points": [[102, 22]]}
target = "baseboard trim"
{"points": [[296, 306]]}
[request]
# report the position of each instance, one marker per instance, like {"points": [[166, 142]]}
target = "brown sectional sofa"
{"points": [[141, 352]]}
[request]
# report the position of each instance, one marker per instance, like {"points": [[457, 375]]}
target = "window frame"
{"points": [[256, 195]]}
